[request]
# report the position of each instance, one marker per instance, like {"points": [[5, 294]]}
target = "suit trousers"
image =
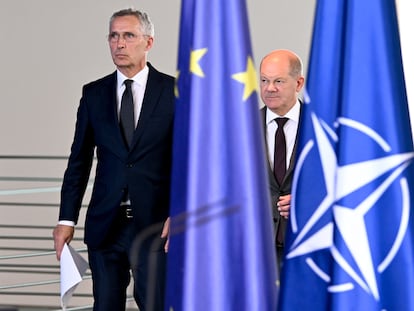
{"points": [[111, 266], [280, 250]]}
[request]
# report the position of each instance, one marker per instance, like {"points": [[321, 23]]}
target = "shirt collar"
{"points": [[140, 78], [292, 114]]}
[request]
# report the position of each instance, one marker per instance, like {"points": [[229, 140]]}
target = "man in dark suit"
{"points": [[132, 180], [281, 80]]}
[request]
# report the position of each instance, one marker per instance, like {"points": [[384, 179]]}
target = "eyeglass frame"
{"points": [[127, 36]]}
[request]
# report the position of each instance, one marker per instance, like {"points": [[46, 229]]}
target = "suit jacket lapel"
{"points": [[148, 104], [293, 157], [272, 179], [110, 108], [263, 113]]}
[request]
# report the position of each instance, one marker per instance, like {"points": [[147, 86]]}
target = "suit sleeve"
{"points": [[79, 165]]}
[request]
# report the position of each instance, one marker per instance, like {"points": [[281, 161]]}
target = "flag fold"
{"points": [[350, 238], [221, 254]]}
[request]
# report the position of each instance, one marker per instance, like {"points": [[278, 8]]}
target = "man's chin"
{"points": [[122, 64], [121, 61], [273, 103]]}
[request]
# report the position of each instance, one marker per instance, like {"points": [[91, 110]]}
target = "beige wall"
{"points": [[50, 48]]}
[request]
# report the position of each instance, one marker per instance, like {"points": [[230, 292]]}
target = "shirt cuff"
{"points": [[67, 223]]}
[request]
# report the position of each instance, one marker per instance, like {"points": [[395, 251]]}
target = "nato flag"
{"points": [[350, 240], [221, 253]]}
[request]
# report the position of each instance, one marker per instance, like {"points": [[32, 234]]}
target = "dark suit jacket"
{"points": [[144, 170], [277, 190]]}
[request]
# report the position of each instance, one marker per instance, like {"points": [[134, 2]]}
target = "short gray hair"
{"points": [[147, 27]]}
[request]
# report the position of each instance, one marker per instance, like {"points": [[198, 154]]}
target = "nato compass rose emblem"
{"points": [[342, 219]]}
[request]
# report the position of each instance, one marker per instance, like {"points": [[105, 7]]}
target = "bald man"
{"points": [[281, 80]]}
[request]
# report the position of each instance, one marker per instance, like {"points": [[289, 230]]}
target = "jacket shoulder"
{"points": [[160, 75], [101, 82]]}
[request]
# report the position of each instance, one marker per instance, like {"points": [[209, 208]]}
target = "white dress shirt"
{"points": [[138, 90], [290, 129]]}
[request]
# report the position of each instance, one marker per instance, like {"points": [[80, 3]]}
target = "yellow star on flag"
{"points": [[249, 79], [195, 57]]}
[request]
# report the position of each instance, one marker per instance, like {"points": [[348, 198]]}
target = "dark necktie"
{"points": [[127, 113], [280, 171], [279, 168]]}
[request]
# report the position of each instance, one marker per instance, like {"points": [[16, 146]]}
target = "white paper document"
{"points": [[72, 268]]}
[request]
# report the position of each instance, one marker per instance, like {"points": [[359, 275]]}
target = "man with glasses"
{"points": [[127, 119]]}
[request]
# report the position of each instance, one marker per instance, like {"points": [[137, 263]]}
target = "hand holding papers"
{"points": [[72, 268]]}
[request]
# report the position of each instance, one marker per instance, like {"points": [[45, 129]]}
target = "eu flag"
{"points": [[350, 243], [221, 255]]}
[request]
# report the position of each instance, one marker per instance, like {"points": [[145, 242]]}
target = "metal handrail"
{"points": [[18, 248], [28, 251], [33, 269]]}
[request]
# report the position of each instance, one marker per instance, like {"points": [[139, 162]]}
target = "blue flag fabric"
{"points": [[350, 243], [221, 254]]}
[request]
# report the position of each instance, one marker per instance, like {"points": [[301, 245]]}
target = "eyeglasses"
{"points": [[129, 37]]}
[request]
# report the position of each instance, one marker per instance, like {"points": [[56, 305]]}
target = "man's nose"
{"points": [[271, 87], [121, 42]]}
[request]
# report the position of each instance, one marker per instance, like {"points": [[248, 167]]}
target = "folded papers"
{"points": [[72, 268]]}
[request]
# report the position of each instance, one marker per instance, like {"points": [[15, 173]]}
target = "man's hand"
{"points": [[283, 205], [62, 234], [166, 233]]}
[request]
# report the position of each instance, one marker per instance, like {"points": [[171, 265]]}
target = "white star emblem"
{"points": [[340, 182]]}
